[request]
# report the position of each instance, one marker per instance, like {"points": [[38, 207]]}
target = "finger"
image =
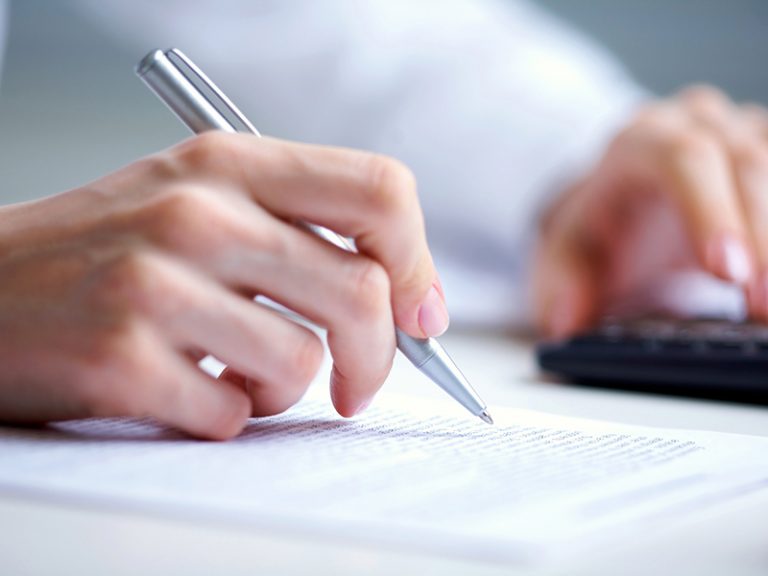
{"points": [[741, 132], [349, 294], [756, 117], [360, 195], [251, 386], [568, 302], [141, 375], [566, 272], [710, 108], [694, 169], [736, 127], [751, 170], [184, 397], [193, 311], [235, 378], [267, 348]]}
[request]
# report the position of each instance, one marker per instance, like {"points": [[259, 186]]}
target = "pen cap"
{"points": [[183, 98]]}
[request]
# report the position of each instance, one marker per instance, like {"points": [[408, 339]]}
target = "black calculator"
{"points": [[710, 358]]}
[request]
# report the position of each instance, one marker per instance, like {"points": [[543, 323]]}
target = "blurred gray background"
{"points": [[71, 109]]}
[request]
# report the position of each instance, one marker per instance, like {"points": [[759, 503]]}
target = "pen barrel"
{"points": [[180, 95], [434, 362]]}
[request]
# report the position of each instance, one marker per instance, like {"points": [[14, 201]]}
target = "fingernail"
{"points": [[733, 260], [433, 315]]}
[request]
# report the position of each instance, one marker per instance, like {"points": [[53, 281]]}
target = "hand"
{"points": [[111, 292], [684, 185]]}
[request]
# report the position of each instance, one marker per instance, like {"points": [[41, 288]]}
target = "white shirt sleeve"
{"points": [[495, 106]]}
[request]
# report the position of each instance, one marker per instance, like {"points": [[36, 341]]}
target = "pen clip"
{"points": [[210, 91]]}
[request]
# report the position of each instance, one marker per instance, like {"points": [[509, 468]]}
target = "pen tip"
{"points": [[485, 417]]}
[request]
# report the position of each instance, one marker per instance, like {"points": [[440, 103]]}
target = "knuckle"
{"points": [[162, 166], [704, 96], [136, 271], [182, 205], [181, 214], [266, 235], [305, 359], [653, 115], [370, 290], [117, 346], [392, 186], [417, 280], [684, 145], [130, 282], [114, 370], [208, 151]]}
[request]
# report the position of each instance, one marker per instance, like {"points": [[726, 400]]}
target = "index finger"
{"points": [[692, 167]]}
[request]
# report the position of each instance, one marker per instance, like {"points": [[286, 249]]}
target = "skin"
{"points": [[111, 292], [683, 186]]}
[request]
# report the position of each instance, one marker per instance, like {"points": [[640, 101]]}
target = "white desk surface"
{"points": [[45, 537]]}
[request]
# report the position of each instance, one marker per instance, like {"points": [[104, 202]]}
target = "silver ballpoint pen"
{"points": [[199, 104]]}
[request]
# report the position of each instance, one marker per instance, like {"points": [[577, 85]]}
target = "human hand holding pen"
{"points": [[202, 106], [111, 291], [683, 186]]}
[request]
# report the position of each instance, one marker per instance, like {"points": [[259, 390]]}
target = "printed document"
{"points": [[409, 473]]}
